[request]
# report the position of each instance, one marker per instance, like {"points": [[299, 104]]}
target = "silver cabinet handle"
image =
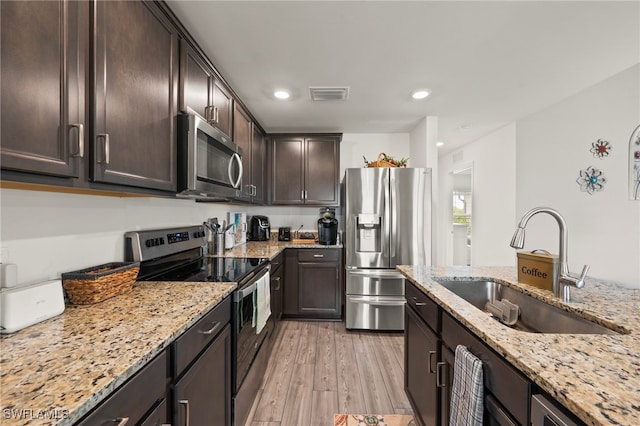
{"points": [[121, 421], [440, 374], [185, 402], [216, 325], [206, 113], [104, 136], [415, 299], [318, 255], [214, 118], [277, 279], [80, 128], [431, 355]]}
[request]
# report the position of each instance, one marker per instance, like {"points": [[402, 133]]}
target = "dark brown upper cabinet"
{"points": [[242, 135], [202, 92], [43, 55], [305, 169], [259, 166], [252, 141], [135, 104]]}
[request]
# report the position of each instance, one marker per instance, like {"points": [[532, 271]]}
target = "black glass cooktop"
{"points": [[209, 269]]}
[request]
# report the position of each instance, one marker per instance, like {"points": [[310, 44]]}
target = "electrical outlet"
{"points": [[4, 254]]}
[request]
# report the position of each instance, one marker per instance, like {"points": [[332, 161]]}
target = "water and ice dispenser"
{"points": [[368, 233]]}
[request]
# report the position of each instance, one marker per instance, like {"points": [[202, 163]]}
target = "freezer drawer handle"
{"points": [[379, 302]]}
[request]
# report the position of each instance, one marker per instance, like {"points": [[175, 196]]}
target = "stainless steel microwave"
{"points": [[209, 162]]}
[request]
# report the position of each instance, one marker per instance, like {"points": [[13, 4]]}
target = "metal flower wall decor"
{"points": [[591, 180], [634, 165], [600, 148]]}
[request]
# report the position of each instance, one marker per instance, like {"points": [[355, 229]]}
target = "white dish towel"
{"points": [[262, 303], [467, 394]]}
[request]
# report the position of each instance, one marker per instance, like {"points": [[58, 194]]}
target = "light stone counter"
{"points": [[65, 366], [270, 249], [595, 376]]}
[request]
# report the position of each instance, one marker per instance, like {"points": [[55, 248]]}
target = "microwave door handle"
{"points": [[236, 157]]}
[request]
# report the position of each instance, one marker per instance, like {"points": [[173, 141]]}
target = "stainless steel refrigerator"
{"points": [[387, 223]]}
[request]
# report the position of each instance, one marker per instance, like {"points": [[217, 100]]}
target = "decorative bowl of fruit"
{"points": [[385, 160]]}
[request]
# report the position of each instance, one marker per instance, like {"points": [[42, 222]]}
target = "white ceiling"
{"points": [[486, 63]]}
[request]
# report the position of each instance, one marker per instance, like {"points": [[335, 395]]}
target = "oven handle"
{"points": [[245, 291]]}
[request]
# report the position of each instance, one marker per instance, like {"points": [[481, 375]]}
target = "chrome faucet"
{"points": [[562, 285]]}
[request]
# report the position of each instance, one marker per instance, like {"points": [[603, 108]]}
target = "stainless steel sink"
{"points": [[535, 316]]}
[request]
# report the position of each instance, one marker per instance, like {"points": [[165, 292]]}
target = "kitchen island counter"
{"points": [[597, 377], [65, 366]]}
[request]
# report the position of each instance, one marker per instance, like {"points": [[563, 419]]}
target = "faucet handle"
{"points": [[583, 275]]}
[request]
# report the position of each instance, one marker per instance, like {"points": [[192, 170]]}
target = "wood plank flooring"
{"points": [[318, 369]]}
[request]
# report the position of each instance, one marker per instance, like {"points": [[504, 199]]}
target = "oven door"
{"points": [[247, 340], [210, 164]]}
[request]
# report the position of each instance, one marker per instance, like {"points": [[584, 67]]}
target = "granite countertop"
{"points": [[270, 249], [595, 376], [66, 365]]}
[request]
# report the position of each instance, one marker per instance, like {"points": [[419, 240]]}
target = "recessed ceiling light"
{"points": [[420, 94], [439, 144], [281, 94], [466, 126]]}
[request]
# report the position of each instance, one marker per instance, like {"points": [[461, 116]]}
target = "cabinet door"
{"points": [[277, 281], [196, 82], [319, 289], [448, 361], [242, 133], [223, 103], [42, 85], [420, 356], [258, 166], [322, 163], [287, 171], [203, 394], [135, 103], [290, 292]]}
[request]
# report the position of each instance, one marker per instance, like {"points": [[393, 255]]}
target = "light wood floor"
{"points": [[318, 369]]}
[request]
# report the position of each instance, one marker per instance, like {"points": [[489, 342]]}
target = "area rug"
{"points": [[372, 420]]}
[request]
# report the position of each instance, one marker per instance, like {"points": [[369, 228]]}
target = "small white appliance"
{"points": [[23, 306]]}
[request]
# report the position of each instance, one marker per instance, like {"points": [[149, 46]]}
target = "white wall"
{"points": [[493, 159], [355, 145], [552, 146], [47, 233]]}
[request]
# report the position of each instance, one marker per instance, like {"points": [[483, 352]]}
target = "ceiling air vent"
{"points": [[329, 93]]}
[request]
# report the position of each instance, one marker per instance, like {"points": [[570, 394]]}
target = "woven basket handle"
{"points": [[381, 156]]}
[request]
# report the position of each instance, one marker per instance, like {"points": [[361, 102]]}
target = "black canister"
{"points": [[327, 231]]}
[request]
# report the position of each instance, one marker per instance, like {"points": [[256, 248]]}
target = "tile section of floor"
{"points": [[318, 369]]}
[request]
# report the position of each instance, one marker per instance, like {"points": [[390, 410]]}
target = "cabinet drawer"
{"points": [[135, 397], [277, 263], [424, 306], [508, 386], [196, 338], [318, 255]]}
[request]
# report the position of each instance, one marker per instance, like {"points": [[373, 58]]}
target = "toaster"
{"points": [[259, 228], [284, 233]]}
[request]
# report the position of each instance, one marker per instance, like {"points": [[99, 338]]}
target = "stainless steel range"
{"points": [[177, 255]]}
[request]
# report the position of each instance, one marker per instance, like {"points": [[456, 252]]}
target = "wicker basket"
{"points": [[98, 283], [381, 162]]}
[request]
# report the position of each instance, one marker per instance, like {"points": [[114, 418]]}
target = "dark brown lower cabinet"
{"points": [[203, 395], [313, 283], [141, 400], [431, 336], [421, 352]]}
